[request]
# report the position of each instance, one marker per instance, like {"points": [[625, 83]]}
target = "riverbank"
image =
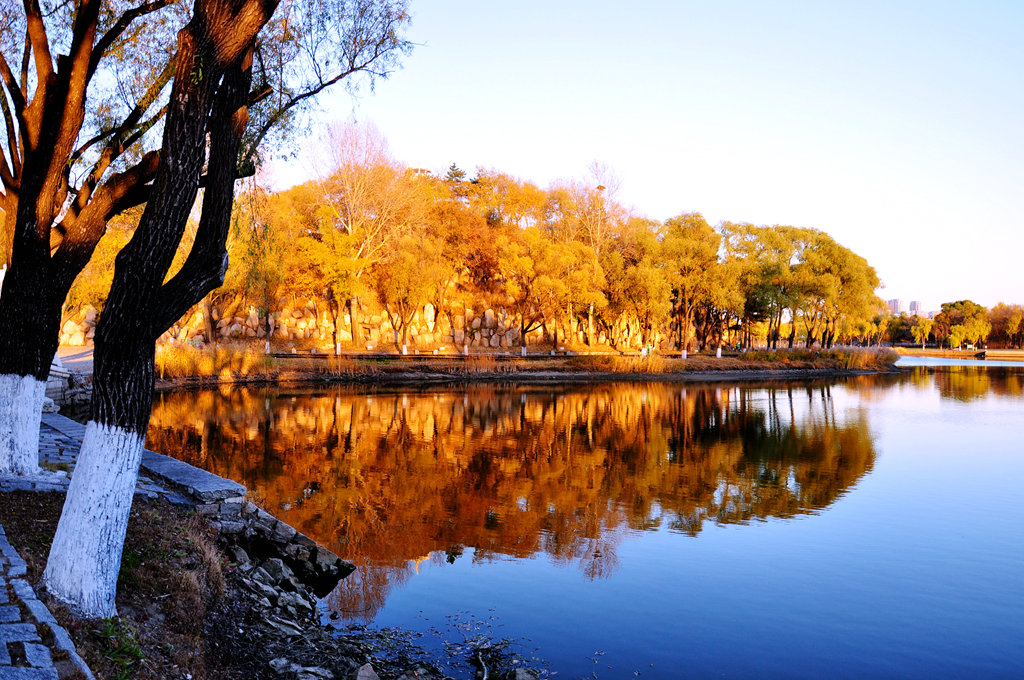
{"points": [[987, 354], [176, 367]]}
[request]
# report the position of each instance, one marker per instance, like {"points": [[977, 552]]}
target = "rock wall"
{"points": [[308, 324]]}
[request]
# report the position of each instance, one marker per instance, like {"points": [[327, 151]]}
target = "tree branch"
{"points": [[122, 24], [133, 118], [76, 236], [206, 263], [36, 33], [380, 50]]}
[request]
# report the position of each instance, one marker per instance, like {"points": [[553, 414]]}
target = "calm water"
{"points": [[866, 528]]}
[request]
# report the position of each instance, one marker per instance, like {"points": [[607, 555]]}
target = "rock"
{"points": [[260, 574], [281, 665], [277, 570], [49, 406], [314, 673], [495, 340], [289, 629], [69, 327], [458, 336], [366, 672], [489, 320], [238, 555], [476, 324], [230, 528], [267, 592], [522, 674], [459, 323], [294, 600], [77, 339], [282, 533]]}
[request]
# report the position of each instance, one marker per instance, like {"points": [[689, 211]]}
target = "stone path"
{"points": [[32, 644]]}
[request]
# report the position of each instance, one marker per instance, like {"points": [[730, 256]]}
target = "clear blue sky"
{"points": [[896, 127]]}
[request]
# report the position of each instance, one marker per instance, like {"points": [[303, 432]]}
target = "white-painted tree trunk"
{"points": [[86, 553], [21, 407]]}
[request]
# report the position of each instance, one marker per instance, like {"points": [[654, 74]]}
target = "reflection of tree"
{"points": [[390, 478], [967, 383]]}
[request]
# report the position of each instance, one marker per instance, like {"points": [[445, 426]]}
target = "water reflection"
{"points": [[968, 383], [389, 479]]}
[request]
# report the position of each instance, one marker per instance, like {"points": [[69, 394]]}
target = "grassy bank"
{"points": [[241, 362]]}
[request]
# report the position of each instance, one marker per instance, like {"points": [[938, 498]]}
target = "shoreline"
{"points": [[239, 367], [414, 379]]}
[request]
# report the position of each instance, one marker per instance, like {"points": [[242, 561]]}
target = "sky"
{"points": [[896, 127]]}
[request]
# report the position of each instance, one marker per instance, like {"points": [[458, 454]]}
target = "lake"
{"points": [[867, 527]]}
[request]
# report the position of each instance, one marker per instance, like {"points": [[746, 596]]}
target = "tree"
{"points": [[202, 141], [81, 139], [921, 329], [638, 283], [1006, 324], [971, 317], [532, 266], [690, 250], [406, 278], [357, 212], [259, 252]]}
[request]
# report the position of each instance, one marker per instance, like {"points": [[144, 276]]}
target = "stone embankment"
{"points": [[310, 324]]}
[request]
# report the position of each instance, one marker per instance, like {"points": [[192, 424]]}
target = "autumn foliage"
{"points": [[567, 265]]}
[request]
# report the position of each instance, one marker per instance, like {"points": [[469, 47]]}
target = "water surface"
{"points": [[860, 528]]}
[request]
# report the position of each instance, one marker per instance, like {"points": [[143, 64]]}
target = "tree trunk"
{"points": [[29, 334], [140, 307], [590, 326], [357, 328], [211, 330]]}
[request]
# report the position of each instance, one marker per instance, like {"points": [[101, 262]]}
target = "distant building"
{"points": [[917, 308], [895, 306]]}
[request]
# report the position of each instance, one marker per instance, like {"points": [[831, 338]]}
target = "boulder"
{"points": [[366, 672], [489, 319], [77, 339]]}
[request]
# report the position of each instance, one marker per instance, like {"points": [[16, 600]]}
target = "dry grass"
{"points": [[223, 362], [171, 578], [873, 358], [613, 363]]}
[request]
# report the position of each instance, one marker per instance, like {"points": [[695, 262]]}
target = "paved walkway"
{"points": [[33, 646]]}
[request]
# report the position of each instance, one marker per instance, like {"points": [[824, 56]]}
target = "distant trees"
{"points": [[1007, 326], [568, 261], [921, 329], [960, 322]]}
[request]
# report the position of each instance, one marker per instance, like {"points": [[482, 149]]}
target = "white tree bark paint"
{"points": [[86, 553], [21, 407]]}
